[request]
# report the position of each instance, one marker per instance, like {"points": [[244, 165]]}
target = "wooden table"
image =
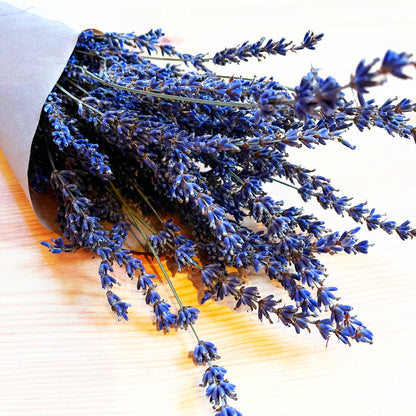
{"points": [[62, 351]]}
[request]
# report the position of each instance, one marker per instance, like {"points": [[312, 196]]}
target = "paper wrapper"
{"points": [[33, 53]]}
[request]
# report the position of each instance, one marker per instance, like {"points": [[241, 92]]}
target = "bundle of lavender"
{"points": [[135, 129]]}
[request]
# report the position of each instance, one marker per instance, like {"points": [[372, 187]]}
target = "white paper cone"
{"points": [[33, 54]]}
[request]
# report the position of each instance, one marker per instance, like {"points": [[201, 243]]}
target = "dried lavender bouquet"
{"points": [[135, 130]]}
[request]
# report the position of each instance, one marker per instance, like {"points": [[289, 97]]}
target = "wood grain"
{"points": [[62, 351]]}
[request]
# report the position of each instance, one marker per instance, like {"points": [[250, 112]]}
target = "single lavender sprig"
{"points": [[259, 48], [229, 55]]}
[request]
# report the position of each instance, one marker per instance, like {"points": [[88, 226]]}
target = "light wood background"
{"points": [[62, 352]]}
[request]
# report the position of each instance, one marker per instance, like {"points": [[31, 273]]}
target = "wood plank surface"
{"points": [[62, 351]]}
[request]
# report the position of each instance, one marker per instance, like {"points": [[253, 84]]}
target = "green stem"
{"points": [[142, 220], [168, 58], [51, 161], [152, 93], [50, 157], [286, 184], [136, 223], [162, 268], [149, 227], [153, 251], [175, 293], [77, 100], [70, 81], [145, 199]]}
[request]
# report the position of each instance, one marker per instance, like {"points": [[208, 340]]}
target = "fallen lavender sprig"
{"points": [[121, 138]]}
